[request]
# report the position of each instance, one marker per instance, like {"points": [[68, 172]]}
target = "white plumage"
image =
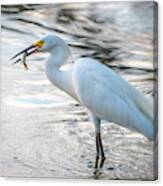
{"points": [[109, 97], [99, 89]]}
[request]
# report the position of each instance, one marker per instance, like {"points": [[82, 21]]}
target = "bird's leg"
{"points": [[99, 147], [97, 151], [102, 151]]}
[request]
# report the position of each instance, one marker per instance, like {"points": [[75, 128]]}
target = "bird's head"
{"points": [[48, 43]]}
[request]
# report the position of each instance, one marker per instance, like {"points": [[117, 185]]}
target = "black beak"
{"points": [[28, 52]]}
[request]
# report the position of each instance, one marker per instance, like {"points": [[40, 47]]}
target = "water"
{"points": [[45, 133]]}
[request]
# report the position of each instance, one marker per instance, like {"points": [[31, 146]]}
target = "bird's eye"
{"points": [[39, 43]]}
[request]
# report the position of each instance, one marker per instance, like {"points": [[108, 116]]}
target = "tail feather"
{"points": [[145, 104], [145, 124]]}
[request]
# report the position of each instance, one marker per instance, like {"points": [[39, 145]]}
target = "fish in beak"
{"points": [[28, 51]]}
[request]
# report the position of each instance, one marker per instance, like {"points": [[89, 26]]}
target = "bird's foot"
{"points": [[98, 167], [97, 173]]}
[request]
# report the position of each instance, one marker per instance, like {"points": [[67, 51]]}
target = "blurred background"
{"points": [[45, 133]]}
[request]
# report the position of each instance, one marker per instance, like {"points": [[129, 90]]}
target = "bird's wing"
{"points": [[109, 96]]}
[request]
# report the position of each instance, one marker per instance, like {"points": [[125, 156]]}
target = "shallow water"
{"points": [[45, 133]]}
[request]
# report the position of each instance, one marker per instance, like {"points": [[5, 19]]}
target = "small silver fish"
{"points": [[23, 60]]}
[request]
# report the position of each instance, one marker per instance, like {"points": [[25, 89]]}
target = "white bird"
{"points": [[97, 87]]}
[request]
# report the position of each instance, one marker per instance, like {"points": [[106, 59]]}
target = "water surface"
{"points": [[45, 133]]}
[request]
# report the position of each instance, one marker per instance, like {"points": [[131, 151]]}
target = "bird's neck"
{"points": [[60, 78]]}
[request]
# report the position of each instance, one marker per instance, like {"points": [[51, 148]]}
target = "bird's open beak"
{"points": [[30, 50]]}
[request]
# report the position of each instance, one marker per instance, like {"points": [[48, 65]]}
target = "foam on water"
{"points": [[39, 100]]}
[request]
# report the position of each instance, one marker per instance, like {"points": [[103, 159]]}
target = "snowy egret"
{"points": [[102, 91]]}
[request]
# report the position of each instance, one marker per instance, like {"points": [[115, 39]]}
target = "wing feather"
{"points": [[110, 97]]}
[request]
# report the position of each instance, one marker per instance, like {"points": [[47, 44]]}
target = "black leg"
{"points": [[99, 147], [97, 151], [102, 152]]}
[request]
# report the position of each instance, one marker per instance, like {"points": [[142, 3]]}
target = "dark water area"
{"points": [[45, 133]]}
